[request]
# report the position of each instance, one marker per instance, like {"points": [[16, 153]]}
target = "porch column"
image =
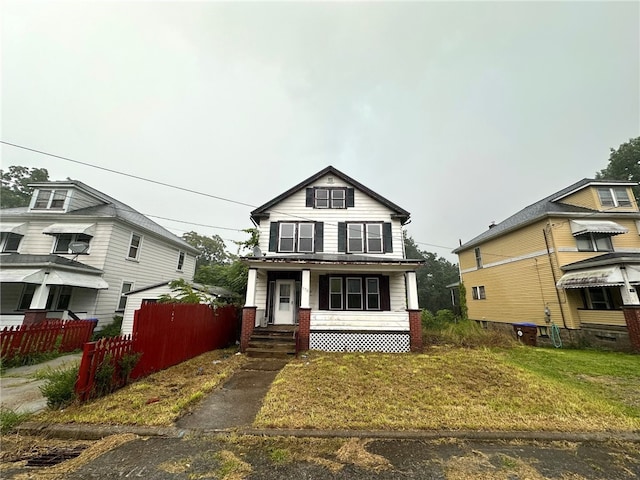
{"points": [[250, 300], [629, 294], [415, 331], [305, 289], [412, 291], [632, 318]]}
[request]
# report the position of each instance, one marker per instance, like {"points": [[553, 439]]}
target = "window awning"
{"points": [[592, 277], [56, 228], [55, 277], [580, 227], [19, 228]]}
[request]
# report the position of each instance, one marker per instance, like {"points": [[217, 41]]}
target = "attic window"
{"points": [[614, 197], [330, 197], [50, 199]]}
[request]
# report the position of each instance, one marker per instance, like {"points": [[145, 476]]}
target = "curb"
{"points": [[96, 432]]}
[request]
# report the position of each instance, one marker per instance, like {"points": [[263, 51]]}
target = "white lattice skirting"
{"points": [[388, 342]]}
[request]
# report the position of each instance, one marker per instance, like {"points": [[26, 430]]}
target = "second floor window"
{"points": [[134, 247], [10, 242], [614, 197], [478, 257], [365, 237], [594, 242], [180, 261], [64, 242], [50, 199], [292, 237]]}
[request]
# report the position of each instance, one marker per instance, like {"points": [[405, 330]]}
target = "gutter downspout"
{"points": [[555, 280]]}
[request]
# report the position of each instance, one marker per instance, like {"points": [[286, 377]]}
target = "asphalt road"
{"points": [[285, 458]]}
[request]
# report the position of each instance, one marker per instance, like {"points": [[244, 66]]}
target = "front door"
{"points": [[284, 302]]}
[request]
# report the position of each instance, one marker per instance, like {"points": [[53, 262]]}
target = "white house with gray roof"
{"points": [[74, 251]]}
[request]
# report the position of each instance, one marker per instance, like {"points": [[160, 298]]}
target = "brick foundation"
{"points": [[248, 324], [304, 328], [32, 317], [415, 330], [632, 317]]}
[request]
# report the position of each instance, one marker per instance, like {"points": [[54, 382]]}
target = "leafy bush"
{"points": [[104, 377], [10, 419], [126, 364], [446, 317], [59, 388], [109, 331]]}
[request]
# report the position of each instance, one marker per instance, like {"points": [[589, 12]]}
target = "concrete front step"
{"points": [[253, 352]]}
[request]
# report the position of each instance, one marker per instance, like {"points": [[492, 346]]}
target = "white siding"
{"points": [[365, 209], [330, 320]]}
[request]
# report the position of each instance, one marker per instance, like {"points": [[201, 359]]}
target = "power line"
{"points": [[184, 189]]}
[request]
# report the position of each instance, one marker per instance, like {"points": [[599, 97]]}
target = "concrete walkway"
{"points": [[236, 404], [20, 391]]}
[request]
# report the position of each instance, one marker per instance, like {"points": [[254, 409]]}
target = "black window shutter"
{"points": [[387, 237], [342, 237], [309, 197], [273, 237], [323, 292], [350, 201], [319, 237], [385, 296]]}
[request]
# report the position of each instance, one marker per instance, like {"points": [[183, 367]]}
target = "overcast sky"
{"points": [[462, 113]]}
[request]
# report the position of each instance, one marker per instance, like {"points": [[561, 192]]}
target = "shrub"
{"points": [[109, 331], [446, 317], [466, 333], [127, 363], [104, 377], [10, 419], [59, 388]]}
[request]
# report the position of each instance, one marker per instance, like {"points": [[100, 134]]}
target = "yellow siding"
{"points": [[516, 292], [602, 317], [587, 198]]}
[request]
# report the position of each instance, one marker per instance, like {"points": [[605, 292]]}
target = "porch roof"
{"points": [[613, 258], [592, 277], [50, 276], [334, 259]]}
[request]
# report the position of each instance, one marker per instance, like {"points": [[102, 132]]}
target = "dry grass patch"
{"points": [[444, 389], [231, 467], [478, 466], [354, 451], [158, 399]]}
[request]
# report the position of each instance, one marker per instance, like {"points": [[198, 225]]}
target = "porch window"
{"points": [[64, 240], [373, 294], [614, 197], [10, 242], [354, 294], [335, 293], [59, 297], [28, 292], [602, 298], [594, 242], [287, 237]]}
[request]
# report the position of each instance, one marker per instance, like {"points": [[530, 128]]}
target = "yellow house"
{"points": [[571, 259]]}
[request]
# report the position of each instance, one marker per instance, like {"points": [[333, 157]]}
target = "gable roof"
{"points": [[111, 208], [399, 212], [217, 291], [543, 208]]}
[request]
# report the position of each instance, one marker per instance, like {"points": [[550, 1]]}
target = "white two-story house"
{"points": [[74, 251], [331, 263]]}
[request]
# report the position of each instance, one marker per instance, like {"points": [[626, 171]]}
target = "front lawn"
{"points": [[502, 389]]}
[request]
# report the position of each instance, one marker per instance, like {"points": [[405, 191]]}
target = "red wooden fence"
{"points": [[168, 334], [24, 340], [165, 335], [94, 354]]}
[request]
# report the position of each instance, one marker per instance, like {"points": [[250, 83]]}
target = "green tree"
{"points": [[14, 189], [432, 278], [183, 293], [624, 163], [212, 249], [232, 276]]}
